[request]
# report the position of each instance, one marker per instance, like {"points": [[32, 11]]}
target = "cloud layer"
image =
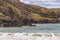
{"points": [[45, 3]]}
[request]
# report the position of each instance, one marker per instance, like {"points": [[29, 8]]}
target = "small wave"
{"points": [[29, 36]]}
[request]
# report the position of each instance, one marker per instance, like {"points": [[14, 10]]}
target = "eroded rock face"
{"points": [[15, 13]]}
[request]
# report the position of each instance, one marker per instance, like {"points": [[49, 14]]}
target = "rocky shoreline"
{"points": [[15, 13]]}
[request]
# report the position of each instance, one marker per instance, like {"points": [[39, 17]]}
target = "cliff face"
{"points": [[16, 13]]}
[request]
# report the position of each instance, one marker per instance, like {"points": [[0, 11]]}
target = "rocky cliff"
{"points": [[15, 13]]}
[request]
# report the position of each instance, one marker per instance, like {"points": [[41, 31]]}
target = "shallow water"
{"points": [[40, 28]]}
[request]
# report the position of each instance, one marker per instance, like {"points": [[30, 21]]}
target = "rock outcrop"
{"points": [[15, 13]]}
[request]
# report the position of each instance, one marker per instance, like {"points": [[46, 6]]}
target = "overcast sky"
{"points": [[45, 3]]}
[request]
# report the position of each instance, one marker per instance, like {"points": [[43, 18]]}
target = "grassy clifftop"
{"points": [[16, 13]]}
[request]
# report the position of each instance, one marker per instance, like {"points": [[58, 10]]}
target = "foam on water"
{"points": [[29, 36]]}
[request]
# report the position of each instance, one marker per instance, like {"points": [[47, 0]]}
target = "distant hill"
{"points": [[15, 13]]}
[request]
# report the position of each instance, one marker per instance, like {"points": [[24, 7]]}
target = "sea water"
{"points": [[39, 28], [38, 32]]}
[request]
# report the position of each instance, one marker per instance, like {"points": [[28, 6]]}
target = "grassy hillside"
{"points": [[16, 13]]}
